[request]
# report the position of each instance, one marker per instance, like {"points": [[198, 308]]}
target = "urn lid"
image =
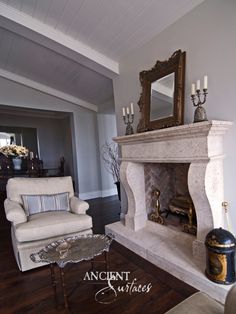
{"points": [[220, 238]]}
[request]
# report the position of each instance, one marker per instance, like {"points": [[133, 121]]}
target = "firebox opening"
{"points": [[168, 201]]}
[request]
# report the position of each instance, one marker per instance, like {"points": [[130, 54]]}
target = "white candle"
{"points": [[127, 110], [31, 155], [198, 84], [132, 108], [193, 90], [205, 82], [123, 111]]}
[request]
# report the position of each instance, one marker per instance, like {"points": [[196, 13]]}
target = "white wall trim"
{"points": [[90, 195], [47, 90], [109, 192], [57, 36], [96, 194]]}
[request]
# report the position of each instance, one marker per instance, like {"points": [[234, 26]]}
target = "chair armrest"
{"points": [[14, 212], [78, 206]]}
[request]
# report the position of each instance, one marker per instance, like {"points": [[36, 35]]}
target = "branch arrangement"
{"points": [[111, 160]]}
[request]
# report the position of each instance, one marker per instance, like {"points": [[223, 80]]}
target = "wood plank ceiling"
{"points": [[35, 62], [110, 27]]}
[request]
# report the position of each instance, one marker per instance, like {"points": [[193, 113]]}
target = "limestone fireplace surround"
{"points": [[200, 145]]}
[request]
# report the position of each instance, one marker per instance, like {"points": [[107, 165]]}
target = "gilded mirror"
{"points": [[162, 99]]}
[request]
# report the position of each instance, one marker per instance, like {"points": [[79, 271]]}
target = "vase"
{"points": [[17, 162]]}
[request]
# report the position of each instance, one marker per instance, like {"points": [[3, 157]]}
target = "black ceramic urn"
{"points": [[220, 256]]}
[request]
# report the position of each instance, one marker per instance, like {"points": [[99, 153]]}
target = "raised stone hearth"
{"points": [[199, 145]]}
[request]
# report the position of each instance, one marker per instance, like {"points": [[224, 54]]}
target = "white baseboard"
{"points": [[109, 192], [89, 195], [95, 194]]}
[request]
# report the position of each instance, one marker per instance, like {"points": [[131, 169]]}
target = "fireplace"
{"points": [[198, 148], [168, 200]]}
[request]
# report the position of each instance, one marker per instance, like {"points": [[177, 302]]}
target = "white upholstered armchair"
{"points": [[42, 210]]}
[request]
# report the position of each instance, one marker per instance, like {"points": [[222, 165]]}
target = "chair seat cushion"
{"points": [[198, 303], [51, 224]]}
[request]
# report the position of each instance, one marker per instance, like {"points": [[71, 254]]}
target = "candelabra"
{"points": [[128, 120], [200, 113]]}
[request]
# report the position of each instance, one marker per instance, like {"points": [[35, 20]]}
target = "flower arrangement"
{"points": [[14, 151]]}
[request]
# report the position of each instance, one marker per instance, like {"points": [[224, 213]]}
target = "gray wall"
{"points": [[51, 135], [106, 130], [88, 155], [84, 136], [68, 145], [207, 34]]}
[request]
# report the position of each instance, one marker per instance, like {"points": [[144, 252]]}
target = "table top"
{"points": [[73, 249]]}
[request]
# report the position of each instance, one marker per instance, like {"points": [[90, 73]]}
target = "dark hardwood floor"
{"points": [[31, 292], [104, 211]]}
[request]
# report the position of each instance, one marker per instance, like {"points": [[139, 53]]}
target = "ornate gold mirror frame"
{"points": [[167, 101]]}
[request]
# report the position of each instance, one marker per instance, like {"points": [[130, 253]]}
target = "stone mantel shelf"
{"points": [[192, 130], [172, 160]]}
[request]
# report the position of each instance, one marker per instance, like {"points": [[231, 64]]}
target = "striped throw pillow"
{"points": [[34, 204]]}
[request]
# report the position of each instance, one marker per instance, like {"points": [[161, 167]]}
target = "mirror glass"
{"points": [[10, 139], [162, 97], [21, 136], [161, 102]]}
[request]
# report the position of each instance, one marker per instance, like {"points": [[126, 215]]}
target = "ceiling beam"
{"points": [[46, 90], [32, 29]]}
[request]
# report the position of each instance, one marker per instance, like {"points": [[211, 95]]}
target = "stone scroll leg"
{"points": [[132, 178], [205, 183]]}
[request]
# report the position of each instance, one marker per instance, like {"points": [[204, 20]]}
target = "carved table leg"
{"points": [[92, 264], [106, 261], [53, 281], [63, 288]]}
